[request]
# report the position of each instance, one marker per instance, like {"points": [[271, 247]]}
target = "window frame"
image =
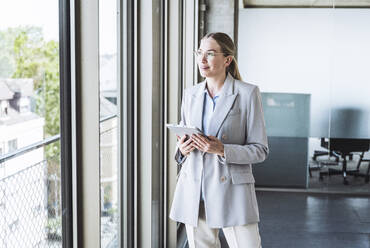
{"points": [[65, 66]]}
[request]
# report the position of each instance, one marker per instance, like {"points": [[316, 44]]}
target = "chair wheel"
{"points": [[345, 182]]}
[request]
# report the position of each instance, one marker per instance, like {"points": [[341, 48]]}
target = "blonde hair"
{"points": [[228, 48]]}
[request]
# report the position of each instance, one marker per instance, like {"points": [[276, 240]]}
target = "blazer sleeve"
{"points": [[179, 158], [256, 148]]}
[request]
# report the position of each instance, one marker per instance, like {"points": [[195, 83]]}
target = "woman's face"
{"points": [[211, 61]]}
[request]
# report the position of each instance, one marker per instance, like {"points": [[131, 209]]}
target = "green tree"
{"points": [[25, 54], [37, 59], [7, 65]]}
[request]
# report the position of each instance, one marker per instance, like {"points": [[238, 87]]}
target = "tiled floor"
{"points": [[292, 220]]}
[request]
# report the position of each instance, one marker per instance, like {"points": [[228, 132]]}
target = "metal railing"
{"points": [[30, 198], [40, 144], [29, 148]]}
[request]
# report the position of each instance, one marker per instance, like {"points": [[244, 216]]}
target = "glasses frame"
{"points": [[208, 56]]}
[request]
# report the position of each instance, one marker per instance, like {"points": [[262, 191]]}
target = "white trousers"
{"points": [[246, 236]]}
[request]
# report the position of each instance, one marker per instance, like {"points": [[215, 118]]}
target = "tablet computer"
{"points": [[182, 130]]}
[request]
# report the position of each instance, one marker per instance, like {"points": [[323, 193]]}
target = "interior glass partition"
{"points": [[108, 74], [289, 61], [314, 83], [30, 162], [349, 136]]}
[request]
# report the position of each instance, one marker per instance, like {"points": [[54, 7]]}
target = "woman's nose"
{"points": [[204, 57]]}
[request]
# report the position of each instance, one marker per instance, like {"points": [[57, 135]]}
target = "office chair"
{"points": [[318, 153], [345, 148], [366, 175], [325, 144]]}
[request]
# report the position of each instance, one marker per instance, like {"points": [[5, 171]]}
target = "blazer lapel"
{"points": [[197, 108], [223, 106]]}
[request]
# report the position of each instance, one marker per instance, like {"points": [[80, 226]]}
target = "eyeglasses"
{"points": [[209, 54]]}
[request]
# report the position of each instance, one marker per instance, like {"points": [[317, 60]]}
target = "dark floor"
{"points": [[301, 220], [292, 220]]}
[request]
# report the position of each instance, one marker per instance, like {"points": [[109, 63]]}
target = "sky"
{"points": [[44, 13]]}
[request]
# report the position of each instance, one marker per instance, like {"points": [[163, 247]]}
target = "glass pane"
{"points": [[108, 123], [286, 52], [30, 183], [350, 103]]}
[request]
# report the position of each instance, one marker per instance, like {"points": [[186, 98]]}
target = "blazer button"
{"points": [[224, 137], [223, 179]]}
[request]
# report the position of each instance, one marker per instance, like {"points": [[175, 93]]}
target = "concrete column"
{"points": [[221, 16]]}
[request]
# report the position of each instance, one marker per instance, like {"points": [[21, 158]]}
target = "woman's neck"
{"points": [[214, 84]]}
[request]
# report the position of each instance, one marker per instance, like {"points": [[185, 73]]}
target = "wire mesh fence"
{"points": [[30, 208], [109, 218]]}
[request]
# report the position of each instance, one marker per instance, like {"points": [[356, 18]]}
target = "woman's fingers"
{"points": [[187, 144], [181, 139], [200, 140], [190, 148], [198, 144], [198, 147], [204, 144], [182, 143]]}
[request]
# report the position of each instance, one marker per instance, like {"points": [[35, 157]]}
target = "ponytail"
{"points": [[234, 70]]}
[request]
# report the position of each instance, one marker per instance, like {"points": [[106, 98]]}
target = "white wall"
{"points": [[322, 52]]}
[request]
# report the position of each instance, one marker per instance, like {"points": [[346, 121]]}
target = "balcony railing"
{"points": [[30, 193], [30, 199]]}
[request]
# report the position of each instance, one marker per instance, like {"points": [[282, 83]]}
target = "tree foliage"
{"points": [[25, 54]]}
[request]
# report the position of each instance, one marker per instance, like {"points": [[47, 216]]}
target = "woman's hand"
{"points": [[185, 146], [210, 145]]}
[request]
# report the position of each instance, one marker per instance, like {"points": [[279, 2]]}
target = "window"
{"points": [[24, 105], [4, 104], [108, 64], [12, 145], [31, 181]]}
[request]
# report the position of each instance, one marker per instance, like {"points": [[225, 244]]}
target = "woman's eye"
{"points": [[210, 54]]}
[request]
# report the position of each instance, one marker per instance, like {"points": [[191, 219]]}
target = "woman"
{"points": [[215, 188]]}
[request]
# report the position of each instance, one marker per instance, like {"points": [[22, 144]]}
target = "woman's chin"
{"points": [[204, 73]]}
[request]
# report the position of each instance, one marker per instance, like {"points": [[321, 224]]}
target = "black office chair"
{"points": [[325, 144], [345, 148], [366, 175]]}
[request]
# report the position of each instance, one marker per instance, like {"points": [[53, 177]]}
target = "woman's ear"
{"points": [[229, 59]]}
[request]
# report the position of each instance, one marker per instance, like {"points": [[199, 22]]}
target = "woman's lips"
{"points": [[204, 67]]}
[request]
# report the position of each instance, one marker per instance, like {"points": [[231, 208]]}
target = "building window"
{"points": [[24, 105], [12, 145], [4, 108]]}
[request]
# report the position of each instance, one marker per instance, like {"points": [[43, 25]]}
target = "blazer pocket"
{"points": [[240, 178], [234, 112]]}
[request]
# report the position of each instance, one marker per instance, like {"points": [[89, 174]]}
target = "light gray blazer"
{"points": [[227, 182]]}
